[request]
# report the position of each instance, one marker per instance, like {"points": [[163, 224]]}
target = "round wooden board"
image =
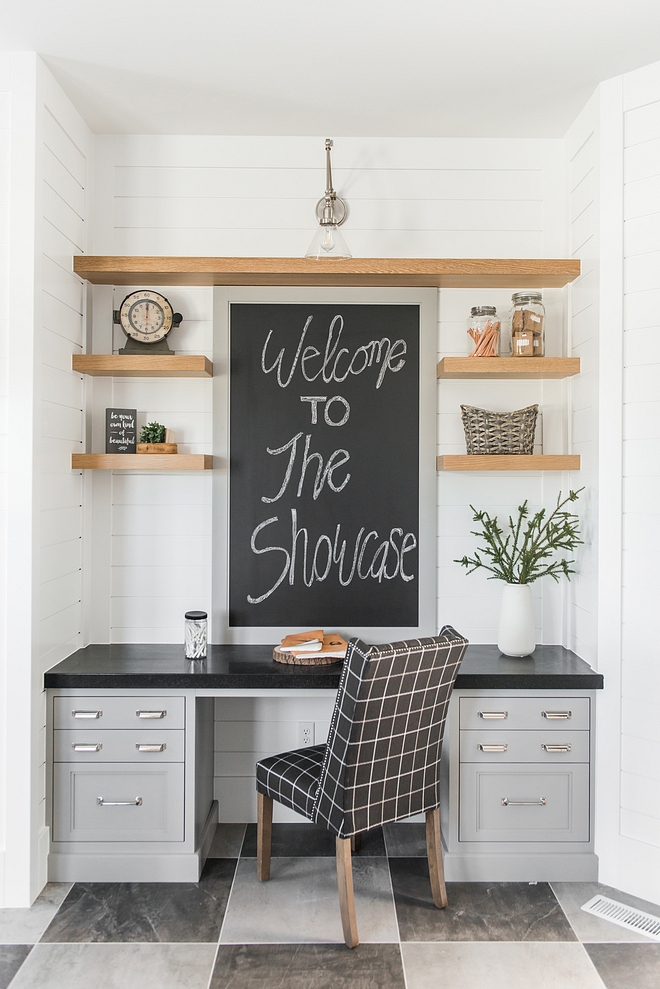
{"points": [[310, 660]]}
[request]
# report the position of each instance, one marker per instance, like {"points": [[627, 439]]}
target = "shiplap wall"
{"points": [[50, 145], [583, 155], [640, 682], [5, 141], [256, 196]]}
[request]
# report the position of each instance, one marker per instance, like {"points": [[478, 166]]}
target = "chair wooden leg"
{"points": [[356, 843], [264, 832], [434, 852], [346, 897]]}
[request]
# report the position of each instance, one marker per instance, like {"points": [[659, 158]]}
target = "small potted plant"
{"points": [[152, 440], [521, 557]]}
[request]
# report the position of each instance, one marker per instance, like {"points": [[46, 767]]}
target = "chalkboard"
{"points": [[324, 465]]}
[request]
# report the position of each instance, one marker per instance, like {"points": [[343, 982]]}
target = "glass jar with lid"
{"points": [[527, 324], [195, 634], [484, 332]]}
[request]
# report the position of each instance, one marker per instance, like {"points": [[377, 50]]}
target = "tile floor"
{"points": [[231, 932]]}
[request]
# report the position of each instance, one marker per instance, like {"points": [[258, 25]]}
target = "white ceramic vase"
{"points": [[516, 632]]}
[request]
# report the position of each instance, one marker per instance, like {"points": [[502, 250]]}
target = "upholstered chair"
{"points": [[381, 761]]}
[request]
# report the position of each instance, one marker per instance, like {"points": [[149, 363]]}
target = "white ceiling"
{"points": [[418, 68]]}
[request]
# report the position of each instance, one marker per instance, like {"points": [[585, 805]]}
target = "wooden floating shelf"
{"points": [[143, 366], [141, 461], [433, 272], [512, 462], [508, 367]]}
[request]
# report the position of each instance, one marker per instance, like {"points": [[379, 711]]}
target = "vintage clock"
{"points": [[146, 317]]}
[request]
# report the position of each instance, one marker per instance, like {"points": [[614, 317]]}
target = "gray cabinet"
{"points": [[131, 785], [519, 786]]}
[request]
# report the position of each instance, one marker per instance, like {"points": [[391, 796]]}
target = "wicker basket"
{"points": [[499, 432]]}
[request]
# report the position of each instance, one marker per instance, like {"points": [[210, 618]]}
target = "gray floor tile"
{"points": [[117, 966], [499, 966], [405, 840], [627, 966], [228, 841], [146, 911], [25, 926], [302, 840], [308, 966], [589, 928], [476, 911], [12, 957], [300, 902]]}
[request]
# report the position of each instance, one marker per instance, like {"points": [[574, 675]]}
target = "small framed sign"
{"points": [[120, 430]]}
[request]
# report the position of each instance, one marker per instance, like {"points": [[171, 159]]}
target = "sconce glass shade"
{"points": [[328, 242]]}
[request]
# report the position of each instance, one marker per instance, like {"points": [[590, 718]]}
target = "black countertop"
{"points": [[100, 667]]}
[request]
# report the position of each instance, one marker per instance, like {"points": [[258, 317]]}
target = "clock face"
{"points": [[146, 316]]}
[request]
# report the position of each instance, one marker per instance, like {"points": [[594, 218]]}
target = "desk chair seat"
{"points": [[381, 761]]}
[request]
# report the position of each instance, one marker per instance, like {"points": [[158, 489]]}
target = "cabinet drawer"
{"points": [[119, 712], [92, 746], [524, 803], [117, 802], [524, 746], [521, 713]]}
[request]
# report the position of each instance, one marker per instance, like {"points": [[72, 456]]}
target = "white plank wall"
{"points": [[583, 150], [640, 751], [256, 196], [5, 138]]}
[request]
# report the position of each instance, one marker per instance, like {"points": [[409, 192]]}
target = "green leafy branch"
{"points": [[525, 554], [153, 432]]}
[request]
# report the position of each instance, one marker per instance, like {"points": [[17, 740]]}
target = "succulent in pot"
{"points": [[152, 439]]}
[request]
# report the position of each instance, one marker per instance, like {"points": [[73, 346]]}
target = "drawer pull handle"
{"points": [[119, 803], [557, 715], [87, 746], [556, 748], [499, 747], [160, 747], [151, 714], [541, 802], [87, 714], [493, 715]]}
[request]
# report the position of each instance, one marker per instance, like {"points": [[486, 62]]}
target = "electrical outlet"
{"points": [[305, 733]]}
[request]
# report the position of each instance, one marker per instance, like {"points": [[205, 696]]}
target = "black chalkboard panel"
{"points": [[324, 465]]}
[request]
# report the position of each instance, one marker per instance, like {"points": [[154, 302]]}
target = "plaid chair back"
{"points": [[382, 757]]}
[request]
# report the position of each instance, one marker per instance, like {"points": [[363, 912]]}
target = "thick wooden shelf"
{"points": [[513, 462], [508, 367], [438, 272], [143, 366], [141, 461]]}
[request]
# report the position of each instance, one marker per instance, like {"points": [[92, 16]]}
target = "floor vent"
{"points": [[624, 916]]}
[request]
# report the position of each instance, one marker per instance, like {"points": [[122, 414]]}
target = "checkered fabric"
{"points": [[292, 778], [382, 759]]}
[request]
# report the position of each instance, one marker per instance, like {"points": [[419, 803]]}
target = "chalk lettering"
{"points": [[329, 554], [326, 411], [390, 356]]}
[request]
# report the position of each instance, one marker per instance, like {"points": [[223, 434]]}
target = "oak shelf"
{"points": [[433, 272], [516, 461], [495, 368], [143, 365], [141, 461]]}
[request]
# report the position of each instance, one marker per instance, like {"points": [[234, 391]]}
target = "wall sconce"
{"points": [[331, 211]]}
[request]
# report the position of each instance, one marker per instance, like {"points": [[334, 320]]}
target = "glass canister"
{"points": [[484, 332], [195, 637], [527, 324]]}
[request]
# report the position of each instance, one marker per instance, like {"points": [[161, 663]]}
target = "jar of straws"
{"points": [[484, 332]]}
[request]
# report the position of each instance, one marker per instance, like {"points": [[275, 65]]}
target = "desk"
{"points": [[125, 718]]}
